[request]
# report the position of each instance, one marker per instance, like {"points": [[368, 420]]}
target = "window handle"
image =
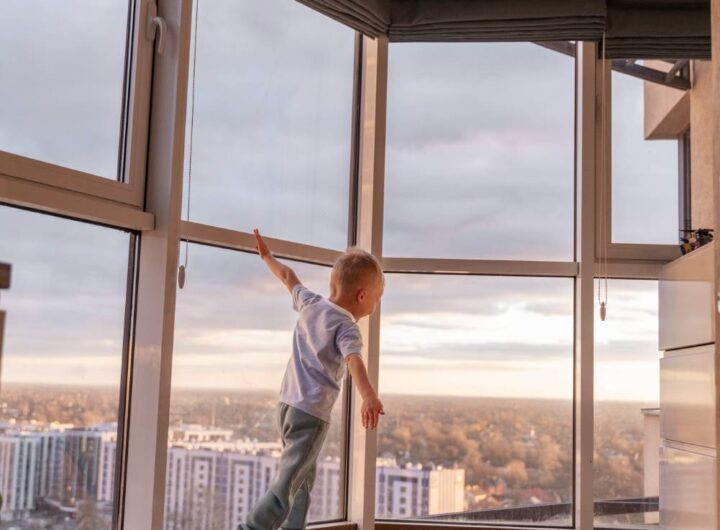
{"points": [[155, 24]]}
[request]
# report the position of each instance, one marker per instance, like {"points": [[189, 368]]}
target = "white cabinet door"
{"points": [[687, 314], [687, 396], [687, 489]]}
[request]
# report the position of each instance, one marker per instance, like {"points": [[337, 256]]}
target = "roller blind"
{"points": [[658, 29], [495, 20], [633, 28]]}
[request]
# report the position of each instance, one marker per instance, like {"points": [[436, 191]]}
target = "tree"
{"points": [[88, 517]]}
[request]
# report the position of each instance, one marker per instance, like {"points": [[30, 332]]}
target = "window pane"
{"points": [[627, 378], [644, 172], [62, 84], [233, 339], [478, 166], [273, 110], [61, 371], [476, 375]]}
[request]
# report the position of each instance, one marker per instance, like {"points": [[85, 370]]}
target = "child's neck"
{"points": [[346, 303]]}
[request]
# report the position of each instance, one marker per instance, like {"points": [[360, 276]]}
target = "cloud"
{"points": [[479, 164], [68, 286], [63, 82], [276, 129]]}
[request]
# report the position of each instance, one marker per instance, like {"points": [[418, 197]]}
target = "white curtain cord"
{"points": [[604, 235], [183, 268]]}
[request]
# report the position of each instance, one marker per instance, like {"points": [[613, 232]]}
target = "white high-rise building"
{"points": [[212, 481], [447, 491], [215, 484], [196, 434], [413, 491], [325, 498], [106, 470], [19, 461], [76, 464], [249, 476], [400, 492]]}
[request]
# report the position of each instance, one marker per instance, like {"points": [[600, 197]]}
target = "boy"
{"points": [[326, 338]]}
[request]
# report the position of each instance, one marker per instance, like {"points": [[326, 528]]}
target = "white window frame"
{"points": [[641, 256], [623, 262], [581, 270], [157, 274]]}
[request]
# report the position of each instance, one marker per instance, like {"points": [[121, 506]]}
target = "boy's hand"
{"points": [[371, 409], [261, 246]]}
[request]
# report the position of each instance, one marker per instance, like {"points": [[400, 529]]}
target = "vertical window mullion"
{"points": [[353, 223], [363, 443], [587, 143], [143, 506]]}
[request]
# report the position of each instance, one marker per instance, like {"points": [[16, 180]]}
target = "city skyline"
{"points": [[508, 451]]}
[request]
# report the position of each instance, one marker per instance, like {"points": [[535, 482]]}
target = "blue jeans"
{"points": [[287, 501]]}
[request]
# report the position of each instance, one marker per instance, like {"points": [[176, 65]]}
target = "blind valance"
{"points": [[633, 28]]}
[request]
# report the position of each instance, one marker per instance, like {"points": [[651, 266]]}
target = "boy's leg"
{"points": [[303, 435], [297, 518]]}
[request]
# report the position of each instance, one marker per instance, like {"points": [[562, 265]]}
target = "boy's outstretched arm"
{"points": [[372, 407], [284, 273]]}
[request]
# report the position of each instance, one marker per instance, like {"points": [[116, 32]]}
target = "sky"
{"points": [[479, 165]]}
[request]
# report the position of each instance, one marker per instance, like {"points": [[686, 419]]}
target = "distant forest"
{"points": [[519, 443]]}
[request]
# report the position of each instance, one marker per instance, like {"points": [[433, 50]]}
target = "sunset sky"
{"points": [[479, 165]]}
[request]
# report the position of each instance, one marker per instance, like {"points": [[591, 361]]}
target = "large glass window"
{"points": [[627, 378], [233, 339], [272, 121], [476, 375], [644, 172], [477, 164], [63, 69], [61, 372]]}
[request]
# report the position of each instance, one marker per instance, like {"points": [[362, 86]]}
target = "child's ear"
{"points": [[361, 295]]}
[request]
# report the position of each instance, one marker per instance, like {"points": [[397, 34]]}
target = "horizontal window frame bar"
{"points": [[386, 524], [245, 241], [560, 269], [629, 269], [68, 179], [335, 525], [74, 205], [230, 239], [643, 252]]}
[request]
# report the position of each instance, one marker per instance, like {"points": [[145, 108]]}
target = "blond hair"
{"points": [[354, 269]]}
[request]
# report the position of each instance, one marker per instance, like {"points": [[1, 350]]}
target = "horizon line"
{"points": [[267, 391]]}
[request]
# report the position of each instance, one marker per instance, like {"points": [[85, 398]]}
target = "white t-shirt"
{"points": [[325, 334]]}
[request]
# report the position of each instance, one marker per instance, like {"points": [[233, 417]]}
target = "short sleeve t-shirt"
{"points": [[325, 334]]}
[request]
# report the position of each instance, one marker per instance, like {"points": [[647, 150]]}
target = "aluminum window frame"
{"points": [[128, 189], [126, 361], [159, 253], [650, 255], [199, 234], [642, 262], [581, 270]]}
